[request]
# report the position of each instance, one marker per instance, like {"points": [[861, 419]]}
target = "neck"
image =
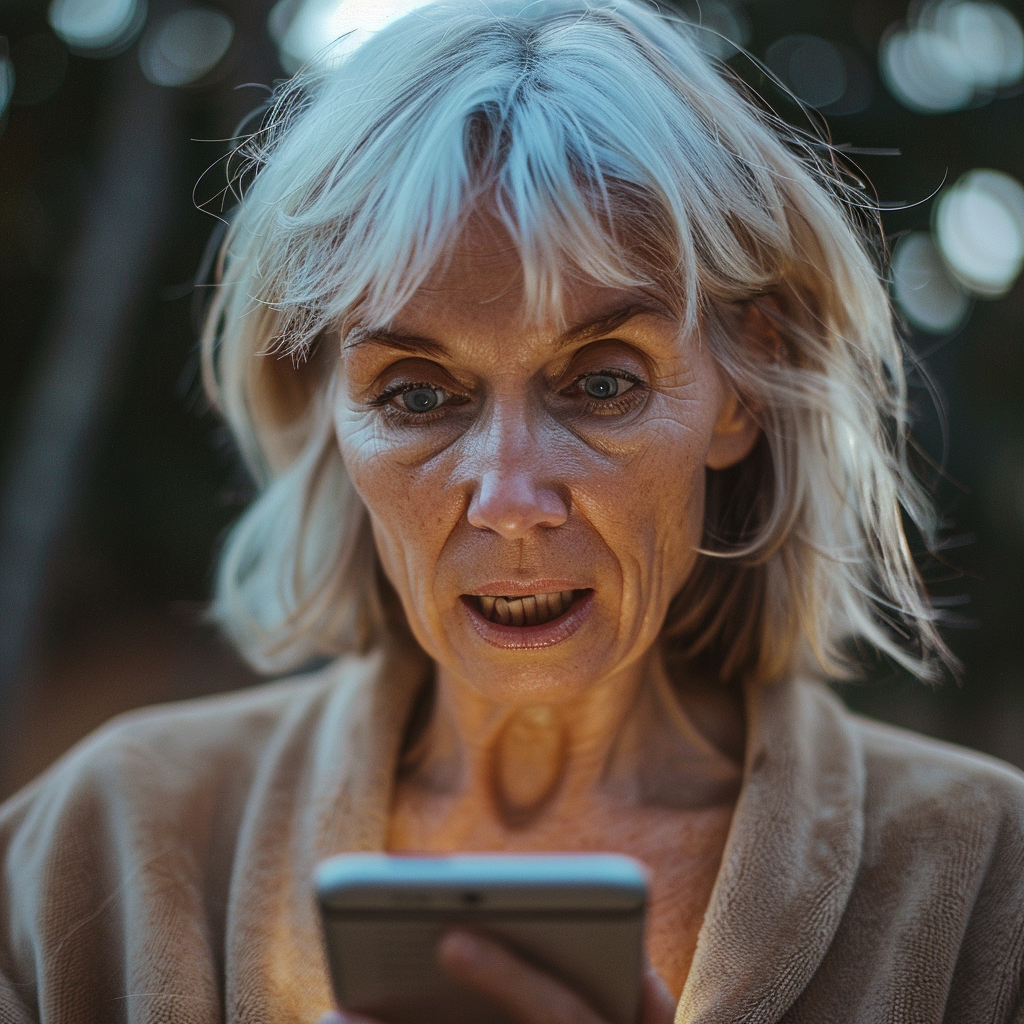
{"points": [[635, 739]]}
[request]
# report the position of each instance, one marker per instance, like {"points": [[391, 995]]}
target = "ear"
{"points": [[736, 431], [735, 434]]}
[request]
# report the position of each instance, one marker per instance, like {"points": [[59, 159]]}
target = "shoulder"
{"points": [[929, 801], [929, 782], [150, 840], [162, 758], [185, 739], [942, 865], [933, 921]]}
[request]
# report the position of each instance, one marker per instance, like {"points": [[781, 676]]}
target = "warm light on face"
{"points": [[560, 472]]}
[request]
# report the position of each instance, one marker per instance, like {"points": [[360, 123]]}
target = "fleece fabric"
{"points": [[160, 872]]}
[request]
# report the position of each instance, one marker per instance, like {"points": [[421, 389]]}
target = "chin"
{"points": [[529, 680]]}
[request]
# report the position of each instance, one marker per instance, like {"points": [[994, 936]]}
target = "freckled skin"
{"points": [[517, 473]]}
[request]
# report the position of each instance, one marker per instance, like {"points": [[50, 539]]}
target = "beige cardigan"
{"points": [[160, 871]]}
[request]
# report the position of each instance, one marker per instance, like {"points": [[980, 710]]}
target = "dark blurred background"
{"points": [[117, 483]]}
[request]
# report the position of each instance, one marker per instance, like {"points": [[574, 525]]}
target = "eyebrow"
{"points": [[416, 344], [412, 343], [608, 322]]}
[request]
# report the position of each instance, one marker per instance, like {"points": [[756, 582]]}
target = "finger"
{"points": [[656, 1003], [529, 995], [337, 1017]]}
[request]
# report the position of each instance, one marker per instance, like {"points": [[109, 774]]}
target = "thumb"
{"points": [[657, 1005]]}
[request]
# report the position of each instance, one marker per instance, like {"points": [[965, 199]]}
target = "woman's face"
{"points": [[536, 491]]}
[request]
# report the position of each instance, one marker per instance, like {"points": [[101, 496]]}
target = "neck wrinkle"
{"points": [[463, 739], [660, 756]]}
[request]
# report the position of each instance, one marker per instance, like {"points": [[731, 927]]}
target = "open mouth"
{"points": [[532, 610]]}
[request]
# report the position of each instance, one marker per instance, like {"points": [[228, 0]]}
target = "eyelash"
{"points": [[402, 416], [618, 405]]}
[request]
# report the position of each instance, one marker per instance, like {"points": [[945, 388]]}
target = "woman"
{"points": [[579, 418]]}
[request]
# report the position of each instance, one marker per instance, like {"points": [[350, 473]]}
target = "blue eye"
{"points": [[422, 399], [603, 386]]}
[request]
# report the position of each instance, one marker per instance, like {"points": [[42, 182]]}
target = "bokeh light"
{"points": [[812, 67], [722, 28], [302, 31], [979, 227], [825, 75], [185, 47], [925, 292], [952, 53], [990, 39], [97, 27], [6, 76]]}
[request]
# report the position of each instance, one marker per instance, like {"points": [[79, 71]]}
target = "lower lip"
{"points": [[546, 634]]}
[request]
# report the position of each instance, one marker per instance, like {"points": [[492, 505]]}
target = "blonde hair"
{"points": [[613, 149]]}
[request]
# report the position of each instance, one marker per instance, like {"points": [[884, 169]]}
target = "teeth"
{"points": [[526, 611]]}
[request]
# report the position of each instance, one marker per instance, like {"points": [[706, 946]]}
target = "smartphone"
{"points": [[578, 916]]}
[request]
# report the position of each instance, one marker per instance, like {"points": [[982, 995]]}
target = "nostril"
{"points": [[513, 504]]}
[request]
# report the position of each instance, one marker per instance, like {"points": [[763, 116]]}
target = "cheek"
{"points": [[649, 507], [671, 485], [411, 510]]}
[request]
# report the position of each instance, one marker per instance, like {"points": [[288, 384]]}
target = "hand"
{"points": [[337, 1017], [532, 996]]}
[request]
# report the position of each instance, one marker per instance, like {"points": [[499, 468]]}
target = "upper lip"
{"points": [[511, 588]]}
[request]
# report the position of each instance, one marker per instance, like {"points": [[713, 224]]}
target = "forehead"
{"points": [[477, 289], [479, 275]]}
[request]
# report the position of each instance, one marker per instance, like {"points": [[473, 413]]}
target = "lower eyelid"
{"points": [[618, 406], [406, 417]]}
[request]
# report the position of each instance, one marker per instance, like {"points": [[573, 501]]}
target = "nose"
{"points": [[511, 504]]}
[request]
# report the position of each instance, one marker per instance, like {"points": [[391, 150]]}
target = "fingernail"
{"points": [[458, 944]]}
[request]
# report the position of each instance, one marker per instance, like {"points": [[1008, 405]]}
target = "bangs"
{"points": [[596, 175], [569, 225]]}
